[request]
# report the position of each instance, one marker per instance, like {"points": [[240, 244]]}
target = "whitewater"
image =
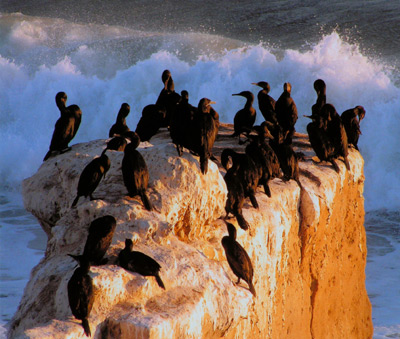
{"points": [[102, 66]]}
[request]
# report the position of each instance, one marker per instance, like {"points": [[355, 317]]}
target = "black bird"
{"points": [[80, 295], [139, 262], [120, 126], [135, 173], [336, 133], [320, 88], [65, 128], [238, 259], [207, 126], [168, 98], [246, 170], [286, 113], [257, 150], [352, 124], [317, 133], [151, 121], [263, 132], [266, 103], [245, 118], [118, 143], [91, 177], [235, 197], [182, 124], [101, 232]]}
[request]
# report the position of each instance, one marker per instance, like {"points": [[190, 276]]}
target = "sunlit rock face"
{"points": [[307, 246]]}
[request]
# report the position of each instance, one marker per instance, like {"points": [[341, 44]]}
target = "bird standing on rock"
{"points": [[91, 177], [266, 103], [135, 173], [286, 113], [139, 262], [351, 119], [246, 117], [120, 126], [81, 295], [65, 128], [238, 259]]}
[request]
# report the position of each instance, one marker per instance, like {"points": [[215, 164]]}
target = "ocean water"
{"points": [[102, 55]]}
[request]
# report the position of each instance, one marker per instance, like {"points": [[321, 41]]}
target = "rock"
{"points": [[308, 250]]}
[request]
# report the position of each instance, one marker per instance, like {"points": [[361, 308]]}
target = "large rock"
{"points": [[308, 249]]}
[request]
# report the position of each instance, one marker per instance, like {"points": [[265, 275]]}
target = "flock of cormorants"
{"points": [[269, 154]]}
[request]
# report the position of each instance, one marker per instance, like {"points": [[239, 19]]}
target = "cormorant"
{"points": [[135, 173], [152, 119], [118, 143], [139, 262], [91, 176], [80, 295], [320, 88], [101, 232], [244, 118], [66, 126], [266, 103], [238, 259], [120, 126], [286, 113], [245, 169], [352, 124], [336, 133]]}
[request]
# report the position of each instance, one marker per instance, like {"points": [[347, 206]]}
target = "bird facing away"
{"points": [[351, 119], [80, 295], [118, 143], [245, 118], [101, 232], [266, 103], [91, 177], [152, 119], [66, 126], [139, 262], [238, 259], [286, 112], [120, 126], [135, 173]]}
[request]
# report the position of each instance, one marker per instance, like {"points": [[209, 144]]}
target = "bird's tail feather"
{"points": [[159, 281], [242, 221], [75, 201], [146, 202], [86, 327]]}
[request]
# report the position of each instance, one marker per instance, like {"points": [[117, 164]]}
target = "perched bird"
{"points": [[286, 113], [65, 128], [257, 150], [320, 88], [266, 103], [120, 126], [135, 173], [235, 198], [351, 119], [119, 142], [101, 232], [139, 262], [245, 118], [238, 259], [80, 295], [317, 133], [182, 123], [207, 126], [168, 98], [150, 122], [248, 173], [336, 133], [264, 138], [91, 177]]}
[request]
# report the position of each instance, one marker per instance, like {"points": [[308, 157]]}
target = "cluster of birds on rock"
{"points": [[268, 154]]}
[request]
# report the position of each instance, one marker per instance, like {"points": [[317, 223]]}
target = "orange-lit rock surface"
{"points": [[308, 249]]}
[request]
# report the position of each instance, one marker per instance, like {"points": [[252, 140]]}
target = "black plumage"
{"points": [[238, 259], [135, 173], [91, 177], [139, 262], [101, 232], [118, 143], [66, 126], [320, 88], [351, 119], [246, 170], [150, 122], [286, 113], [81, 296], [317, 133], [120, 126], [266, 103], [336, 133], [245, 118]]}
